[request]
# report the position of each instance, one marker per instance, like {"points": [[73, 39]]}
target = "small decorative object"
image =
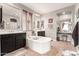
{"points": [[33, 33], [2, 25], [13, 20], [50, 20], [58, 29]]}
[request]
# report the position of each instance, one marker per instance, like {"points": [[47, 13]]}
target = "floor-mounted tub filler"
{"points": [[39, 44]]}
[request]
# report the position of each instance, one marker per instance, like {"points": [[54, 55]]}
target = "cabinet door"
{"points": [[4, 44], [11, 42], [7, 44], [20, 40]]}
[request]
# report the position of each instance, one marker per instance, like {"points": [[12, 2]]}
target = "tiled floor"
{"points": [[56, 50]]}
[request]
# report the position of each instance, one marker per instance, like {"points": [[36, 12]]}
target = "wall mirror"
{"points": [[11, 18], [65, 21], [42, 24]]}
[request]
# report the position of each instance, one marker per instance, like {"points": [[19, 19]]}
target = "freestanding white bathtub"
{"points": [[39, 44]]}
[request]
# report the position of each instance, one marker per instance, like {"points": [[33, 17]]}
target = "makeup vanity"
{"points": [[65, 24]]}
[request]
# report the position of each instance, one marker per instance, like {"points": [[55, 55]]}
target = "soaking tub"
{"points": [[39, 44]]}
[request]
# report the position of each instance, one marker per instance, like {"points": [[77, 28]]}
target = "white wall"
{"points": [[76, 9], [24, 21], [53, 32], [50, 32]]}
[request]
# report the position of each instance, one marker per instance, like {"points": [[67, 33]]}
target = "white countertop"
{"points": [[11, 31]]}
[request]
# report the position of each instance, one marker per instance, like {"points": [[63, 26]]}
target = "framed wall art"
{"points": [[50, 20]]}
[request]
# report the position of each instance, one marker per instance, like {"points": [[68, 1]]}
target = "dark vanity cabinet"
{"points": [[11, 42], [41, 33]]}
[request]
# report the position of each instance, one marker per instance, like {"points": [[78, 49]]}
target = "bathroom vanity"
{"points": [[12, 41], [12, 36]]}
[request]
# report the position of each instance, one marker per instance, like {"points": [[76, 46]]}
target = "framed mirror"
{"points": [[12, 20]]}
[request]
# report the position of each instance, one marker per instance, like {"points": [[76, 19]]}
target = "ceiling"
{"points": [[43, 8]]}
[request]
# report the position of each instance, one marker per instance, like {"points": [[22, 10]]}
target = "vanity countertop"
{"points": [[2, 32]]}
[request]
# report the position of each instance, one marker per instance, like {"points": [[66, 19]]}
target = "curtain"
{"points": [[28, 22]]}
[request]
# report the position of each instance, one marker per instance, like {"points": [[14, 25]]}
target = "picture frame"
{"points": [[50, 20]]}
